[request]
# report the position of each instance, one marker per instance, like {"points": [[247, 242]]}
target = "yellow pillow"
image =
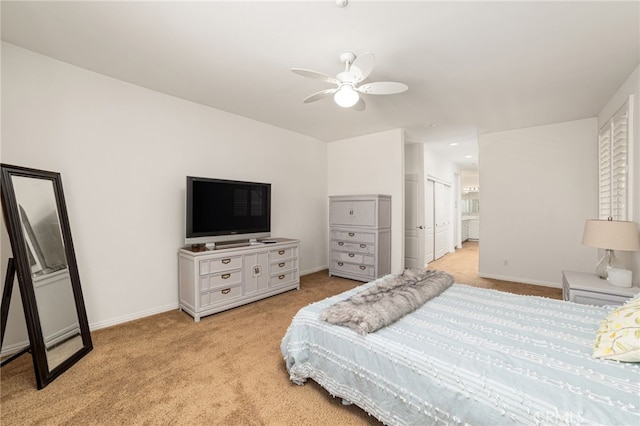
{"points": [[619, 334]]}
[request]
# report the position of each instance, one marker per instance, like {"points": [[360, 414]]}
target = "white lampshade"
{"points": [[346, 96], [611, 234]]}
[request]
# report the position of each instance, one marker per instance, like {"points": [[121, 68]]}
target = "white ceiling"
{"points": [[471, 67]]}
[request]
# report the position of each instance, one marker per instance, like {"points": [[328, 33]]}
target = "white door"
{"points": [[441, 213], [414, 222], [429, 222]]}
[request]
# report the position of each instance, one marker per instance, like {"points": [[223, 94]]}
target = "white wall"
{"points": [[124, 152], [372, 164], [538, 186], [630, 87]]}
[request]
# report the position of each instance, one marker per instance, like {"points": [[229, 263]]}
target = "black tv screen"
{"points": [[227, 209]]}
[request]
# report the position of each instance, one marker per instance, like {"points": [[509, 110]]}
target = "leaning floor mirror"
{"points": [[44, 261]]}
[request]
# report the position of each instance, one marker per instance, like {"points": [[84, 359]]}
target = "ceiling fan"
{"points": [[350, 82]]}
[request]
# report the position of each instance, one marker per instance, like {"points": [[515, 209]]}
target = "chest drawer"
{"points": [[225, 279], [353, 257], [220, 264], [285, 253], [366, 270], [596, 299], [281, 279], [353, 247], [220, 295], [350, 236], [284, 265]]}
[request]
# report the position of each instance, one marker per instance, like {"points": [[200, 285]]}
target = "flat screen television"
{"points": [[226, 211]]}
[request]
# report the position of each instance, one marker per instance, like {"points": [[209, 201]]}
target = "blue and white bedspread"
{"points": [[470, 356]]}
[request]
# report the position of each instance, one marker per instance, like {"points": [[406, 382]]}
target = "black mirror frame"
{"points": [[44, 375]]}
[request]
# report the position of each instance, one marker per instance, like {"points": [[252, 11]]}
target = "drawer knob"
{"points": [[280, 252], [351, 234], [340, 243], [226, 261], [351, 255], [281, 264], [340, 264], [225, 276], [363, 245], [225, 291], [363, 267], [281, 277]]}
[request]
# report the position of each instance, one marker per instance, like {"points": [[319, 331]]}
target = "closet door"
{"points": [[429, 225], [441, 226]]}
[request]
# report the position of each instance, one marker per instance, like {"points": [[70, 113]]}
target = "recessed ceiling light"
{"points": [[454, 144], [433, 125], [468, 156]]}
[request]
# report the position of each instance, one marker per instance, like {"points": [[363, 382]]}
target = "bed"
{"points": [[469, 356]]}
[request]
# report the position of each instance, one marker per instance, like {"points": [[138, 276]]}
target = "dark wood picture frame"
{"points": [[22, 260]]}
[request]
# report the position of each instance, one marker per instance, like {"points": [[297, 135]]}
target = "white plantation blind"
{"points": [[614, 154], [604, 171]]}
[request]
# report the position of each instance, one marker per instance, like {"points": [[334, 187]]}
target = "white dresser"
{"points": [[216, 280], [360, 236]]}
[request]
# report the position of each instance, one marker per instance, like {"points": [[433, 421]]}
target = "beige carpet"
{"points": [[166, 369]]}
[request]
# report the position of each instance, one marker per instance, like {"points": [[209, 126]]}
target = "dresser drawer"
{"points": [[353, 247], [286, 253], [220, 280], [596, 299], [220, 264], [361, 237], [220, 295], [352, 258], [281, 279], [285, 265], [367, 270]]}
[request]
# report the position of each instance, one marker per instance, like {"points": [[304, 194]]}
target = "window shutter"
{"points": [[614, 166], [604, 166], [620, 164]]}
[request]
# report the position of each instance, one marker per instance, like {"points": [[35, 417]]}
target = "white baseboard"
{"points": [[137, 315], [13, 348], [166, 308], [520, 280], [313, 270]]}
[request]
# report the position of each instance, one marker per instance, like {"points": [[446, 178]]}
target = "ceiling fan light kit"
{"points": [[347, 92], [346, 96]]}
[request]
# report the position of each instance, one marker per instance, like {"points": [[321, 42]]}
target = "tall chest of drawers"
{"points": [[360, 236]]}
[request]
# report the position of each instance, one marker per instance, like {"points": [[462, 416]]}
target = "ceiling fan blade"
{"points": [[319, 95], [315, 75], [360, 105], [382, 88], [363, 65]]}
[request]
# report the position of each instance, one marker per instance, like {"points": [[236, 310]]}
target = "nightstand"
{"points": [[589, 289]]}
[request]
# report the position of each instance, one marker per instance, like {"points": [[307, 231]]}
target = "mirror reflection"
{"points": [[470, 203], [49, 268]]}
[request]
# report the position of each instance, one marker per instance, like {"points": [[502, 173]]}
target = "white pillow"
{"points": [[619, 335]]}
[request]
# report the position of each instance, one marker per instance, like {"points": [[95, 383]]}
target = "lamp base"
{"points": [[607, 262]]}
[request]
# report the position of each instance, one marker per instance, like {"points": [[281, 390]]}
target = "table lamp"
{"points": [[610, 235]]}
